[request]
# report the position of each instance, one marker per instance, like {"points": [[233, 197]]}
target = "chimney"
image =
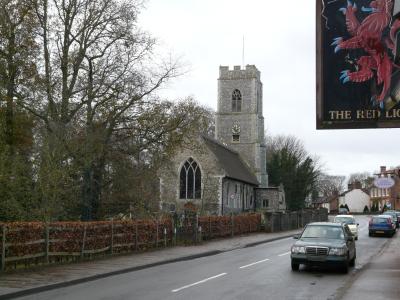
{"points": [[383, 169]]}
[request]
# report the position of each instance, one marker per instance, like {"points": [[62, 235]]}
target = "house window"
{"points": [[235, 138], [265, 203], [236, 101], [190, 180]]}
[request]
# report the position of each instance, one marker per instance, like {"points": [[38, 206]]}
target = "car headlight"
{"points": [[298, 249], [337, 251]]}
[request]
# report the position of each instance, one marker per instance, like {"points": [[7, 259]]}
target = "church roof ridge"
{"points": [[231, 161], [215, 141]]}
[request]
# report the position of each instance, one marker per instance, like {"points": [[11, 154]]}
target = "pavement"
{"points": [[20, 283], [378, 279]]}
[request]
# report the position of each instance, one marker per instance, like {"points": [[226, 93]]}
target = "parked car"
{"points": [[381, 224], [343, 211], [395, 215], [350, 221], [324, 243]]}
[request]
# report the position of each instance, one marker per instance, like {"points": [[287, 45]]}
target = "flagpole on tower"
{"points": [[243, 52]]}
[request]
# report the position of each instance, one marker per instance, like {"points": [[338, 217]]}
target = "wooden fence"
{"points": [[33, 243], [24, 244]]}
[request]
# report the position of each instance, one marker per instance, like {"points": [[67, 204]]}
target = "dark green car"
{"points": [[324, 243]]}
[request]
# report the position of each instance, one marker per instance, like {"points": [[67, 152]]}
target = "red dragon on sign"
{"points": [[368, 35]]}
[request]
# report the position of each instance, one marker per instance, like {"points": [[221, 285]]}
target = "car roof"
{"points": [[382, 216], [345, 216], [325, 224]]}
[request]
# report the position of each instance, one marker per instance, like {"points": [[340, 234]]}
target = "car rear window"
{"points": [[390, 214], [379, 220], [346, 220]]}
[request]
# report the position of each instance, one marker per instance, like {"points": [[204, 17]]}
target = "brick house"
{"points": [[388, 196]]}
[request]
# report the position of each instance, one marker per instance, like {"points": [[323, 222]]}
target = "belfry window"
{"points": [[236, 101], [190, 180]]}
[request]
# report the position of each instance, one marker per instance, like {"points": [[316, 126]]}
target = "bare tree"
{"points": [[328, 185], [98, 75], [365, 178]]}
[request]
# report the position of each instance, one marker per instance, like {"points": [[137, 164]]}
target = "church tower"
{"points": [[239, 118]]}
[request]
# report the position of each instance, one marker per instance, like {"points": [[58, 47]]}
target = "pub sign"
{"points": [[358, 64]]}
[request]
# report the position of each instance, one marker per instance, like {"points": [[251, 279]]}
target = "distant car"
{"points": [[324, 243], [343, 211], [350, 221], [381, 224], [395, 216]]}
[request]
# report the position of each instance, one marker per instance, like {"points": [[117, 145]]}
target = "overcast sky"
{"points": [[280, 40]]}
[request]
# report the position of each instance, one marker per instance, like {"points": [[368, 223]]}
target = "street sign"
{"points": [[384, 182], [358, 64]]}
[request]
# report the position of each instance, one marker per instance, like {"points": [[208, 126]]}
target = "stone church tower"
{"points": [[239, 118]]}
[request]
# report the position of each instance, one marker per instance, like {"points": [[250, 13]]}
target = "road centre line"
{"points": [[198, 282], [283, 254], [254, 263]]}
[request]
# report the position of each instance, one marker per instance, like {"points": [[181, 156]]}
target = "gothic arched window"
{"points": [[236, 101], [190, 180]]}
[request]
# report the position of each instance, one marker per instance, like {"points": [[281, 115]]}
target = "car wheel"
{"points": [[345, 267], [295, 267], [352, 262]]}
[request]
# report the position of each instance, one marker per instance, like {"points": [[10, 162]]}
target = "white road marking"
{"points": [[283, 254], [254, 263], [198, 282]]}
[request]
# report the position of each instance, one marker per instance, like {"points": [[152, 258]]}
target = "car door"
{"points": [[351, 244]]}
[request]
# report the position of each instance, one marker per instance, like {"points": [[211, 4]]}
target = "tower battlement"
{"points": [[250, 71]]}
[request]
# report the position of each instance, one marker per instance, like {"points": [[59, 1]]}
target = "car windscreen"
{"points": [[345, 220], [321, 231], [379, 220]]}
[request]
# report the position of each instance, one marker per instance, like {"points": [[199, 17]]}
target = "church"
{"points": [[226, 173]]}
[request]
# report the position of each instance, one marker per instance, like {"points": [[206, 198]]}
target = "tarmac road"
{"points": [[259, 272]]}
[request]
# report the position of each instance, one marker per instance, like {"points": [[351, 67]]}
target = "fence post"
{"points": [[232, 226], [209, 227], [112, 236], [3, 252], [136, 236], [200, 234], [47, 242], [156, 233], [165, 237], [83, 241], [174, 236], [196, 228]]}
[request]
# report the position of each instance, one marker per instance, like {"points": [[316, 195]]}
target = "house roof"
{"points": [[324, 199], [230, 161], [366, 191]]}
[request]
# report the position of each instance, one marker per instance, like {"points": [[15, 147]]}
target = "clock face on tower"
{"points": [[236, 128]]}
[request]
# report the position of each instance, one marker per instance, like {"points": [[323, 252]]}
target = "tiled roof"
{"points": [[230, 161]]}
